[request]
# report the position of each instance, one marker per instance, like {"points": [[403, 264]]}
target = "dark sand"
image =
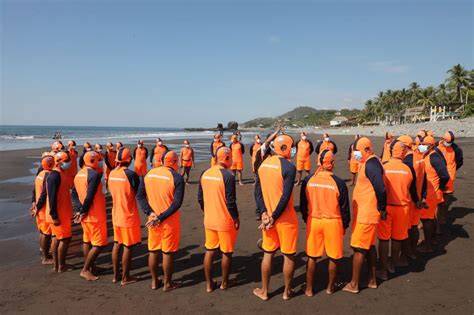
{"points": [[442, 282]]}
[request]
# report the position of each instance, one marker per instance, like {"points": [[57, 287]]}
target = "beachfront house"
{"points": [[338, 121], [443, 112], [414, 115]]}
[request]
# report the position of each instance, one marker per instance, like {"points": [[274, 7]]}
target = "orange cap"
{"points": [[422, 133], [98, 147], [388, 136], [87, 145], [363, 143], [110, 145], [406, 139], [430, 133], [326, 135], [61, 157], [429, 140], [398, 149], [47, 161], [283, 145], [57, 146], [234, 137], [123, 155], [71, 143], [224, 156], [170, 159], [326, 159], [217, 136], [448, 136], [91, 159]]}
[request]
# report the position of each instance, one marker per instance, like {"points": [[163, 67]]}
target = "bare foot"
{"points": [[230, 283], [65, 268], [88, 275], [47, 261], [155, 284], [210, 288], [128, 280], [116, 279], [308, 292], [372, 285], [241, 184], [172, 286], [382, 275], [288, 295], [259, 293], [351, 289]]}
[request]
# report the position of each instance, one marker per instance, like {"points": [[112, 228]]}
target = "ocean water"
{"points": [[15, 137]]}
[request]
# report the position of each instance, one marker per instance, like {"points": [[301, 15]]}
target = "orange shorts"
{"points": [[62, 231], [363, 235], [94, 233], [225, 240], [281, 236], [237, 165], [303, 165], [166, 240], [324, 234], [395, 226], [187, 163], [127, 236], [414, 215], [43, 226], [353, 167], [432, 202], [140, 169]]}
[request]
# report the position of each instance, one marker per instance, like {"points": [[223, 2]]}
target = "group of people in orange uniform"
{"points": [[411, 182]]}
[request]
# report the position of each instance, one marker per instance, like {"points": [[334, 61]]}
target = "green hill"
{"points": [[302, 117]]}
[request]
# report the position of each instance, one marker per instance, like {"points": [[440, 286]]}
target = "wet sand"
{"points": [[441, 282]]}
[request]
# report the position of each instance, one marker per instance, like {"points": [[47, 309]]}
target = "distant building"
{"points": [[442, 112], [338, 121]]}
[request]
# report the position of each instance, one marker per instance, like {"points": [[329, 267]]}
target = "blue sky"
{"points": [[196, 63]]}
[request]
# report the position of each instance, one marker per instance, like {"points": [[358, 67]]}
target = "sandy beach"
{"points": [[442, 282]]}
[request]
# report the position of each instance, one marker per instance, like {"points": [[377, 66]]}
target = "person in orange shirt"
{"points": [[324, 204], [59, 210], [72, 171], [89, 203], [57, 146], [369, 202], [217, 198], [38, 210], [274, 198], [413, 159], [140, 154], [109, 159], [437, 177], [100, 151], [123, 186], [304, 148], [400, 184], [157, 153], [238, 151], [453, 156], [353, 164], [85, 148], [215, 144], [254, 150], [385, 156], [186, 156], [326, 144], [160, 195]]}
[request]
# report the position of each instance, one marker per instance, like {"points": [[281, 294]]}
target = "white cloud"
{"points": [[347, 100], [274, 39], [388, 67]]}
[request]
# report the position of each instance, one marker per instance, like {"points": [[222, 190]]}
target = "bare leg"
{"points": [[116, 262], [153, 258], [383, 252], [226, 265], [45, 243], [266, 270], [372, 262], [240, 177], [310, 270], [168, 262], [288, 272], [428, 231], [54, 250], [357, 262], [332, 270], [86, 247], [353, 179], [62, 253], [126, 264], [395, 253], [89, 262], [208, 260]]}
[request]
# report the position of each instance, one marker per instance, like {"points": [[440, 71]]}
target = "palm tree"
{"points": [[426, 98], [458, 80], [442, 94], [414, 89]]}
